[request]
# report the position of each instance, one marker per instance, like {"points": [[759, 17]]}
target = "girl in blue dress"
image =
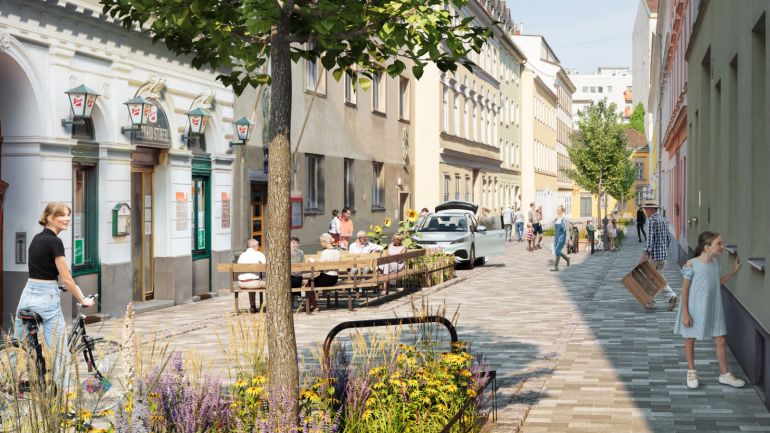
{"points": [[700, 312]]}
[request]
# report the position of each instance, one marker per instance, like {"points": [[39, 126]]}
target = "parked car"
{"points": [[455, 229]]}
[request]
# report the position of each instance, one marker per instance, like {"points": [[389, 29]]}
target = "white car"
{"points": [[455, 230]]}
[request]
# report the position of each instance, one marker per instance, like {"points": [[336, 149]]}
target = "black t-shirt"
{"points": [[43, 251]]}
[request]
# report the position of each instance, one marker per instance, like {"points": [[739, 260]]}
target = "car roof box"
{"points": [[458, 205]]}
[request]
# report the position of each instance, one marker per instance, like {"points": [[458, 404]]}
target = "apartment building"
{"points": [[608, 82], [460, 147], [150, 195], [356, 151], [641, 57], [727, 174], [511, 60]]}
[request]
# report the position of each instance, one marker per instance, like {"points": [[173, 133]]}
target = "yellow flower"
{"points": [[387, 222], [471, 392], [411, 215], [254, 390], [377, 229]]}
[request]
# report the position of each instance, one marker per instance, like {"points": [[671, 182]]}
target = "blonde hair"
{"points": [[326, 240], [398, 236], [53, 210]]}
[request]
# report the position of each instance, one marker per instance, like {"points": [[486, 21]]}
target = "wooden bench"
{"points": [[348, 281]]}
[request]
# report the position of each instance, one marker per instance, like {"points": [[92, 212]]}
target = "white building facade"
{"points": [[172, 195], [608, 82]]}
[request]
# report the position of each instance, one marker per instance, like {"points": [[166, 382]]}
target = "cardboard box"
{"points": [[644, 282]]}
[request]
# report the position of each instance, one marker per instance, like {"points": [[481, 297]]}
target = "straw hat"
{"points": [[650, 204]]}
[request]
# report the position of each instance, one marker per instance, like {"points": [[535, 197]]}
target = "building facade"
{"points": [[641, 56], [356, 151], [608, 82], [151, 211], [727, 174], [669, 102]]}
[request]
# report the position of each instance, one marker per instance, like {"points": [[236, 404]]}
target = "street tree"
{"points": [[600, 154], [637, 118], [254, 42]]}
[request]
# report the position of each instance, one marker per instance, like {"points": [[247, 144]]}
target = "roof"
{"points": [[635, 139], [652, 5]]}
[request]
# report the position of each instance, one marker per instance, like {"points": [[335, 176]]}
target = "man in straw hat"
{"points": [[656, 248]]}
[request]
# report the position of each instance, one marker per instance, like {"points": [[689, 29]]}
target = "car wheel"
{"points": [[472, 257], [481, 261]]}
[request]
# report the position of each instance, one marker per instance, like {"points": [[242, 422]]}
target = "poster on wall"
{"points": [[78, 253], [181, 212], [225, 210]]}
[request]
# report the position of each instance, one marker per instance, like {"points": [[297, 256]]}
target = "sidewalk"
{"points": [[573, 350]]}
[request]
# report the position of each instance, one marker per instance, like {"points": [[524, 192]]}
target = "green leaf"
{"points": [[417, 71], [365, 83], [337, 74]]}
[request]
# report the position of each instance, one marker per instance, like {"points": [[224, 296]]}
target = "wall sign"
{"points": [[225, 210], [201, 238], [156, 131], [78, 253], [297, 212], [121, 219], [182, 214]]}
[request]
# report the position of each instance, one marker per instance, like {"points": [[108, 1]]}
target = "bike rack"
{"points": [[490, 375]]}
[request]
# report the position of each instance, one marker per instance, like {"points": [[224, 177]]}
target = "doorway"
{"points": [[142, 233], [258, 206]]}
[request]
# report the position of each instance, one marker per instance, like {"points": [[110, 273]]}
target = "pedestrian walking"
{"points": [[701, 314], [334, 227], [540, 226], [518, 221], [537, 228], [612, 233], [530, 237], [640, 220], [656, 248], [508, 222], [591, 234], [561, 225]]}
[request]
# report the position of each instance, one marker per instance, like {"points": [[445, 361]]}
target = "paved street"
{"points": [[573, 350]]}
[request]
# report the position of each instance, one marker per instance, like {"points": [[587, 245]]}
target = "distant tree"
{"points": [[637, 118], [600, 154], [240, 38]]}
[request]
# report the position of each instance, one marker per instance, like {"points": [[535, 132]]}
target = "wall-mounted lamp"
{"points": [[82, 101], [139, 111], [198, 119], [242, 128]]}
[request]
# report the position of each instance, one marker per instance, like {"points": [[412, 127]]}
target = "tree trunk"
{"points": [[281, 340]]}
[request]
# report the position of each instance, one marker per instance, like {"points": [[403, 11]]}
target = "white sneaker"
{"points": [[729, 379], [692, 379], [672, 303]]}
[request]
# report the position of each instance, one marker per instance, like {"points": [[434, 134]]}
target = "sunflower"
{"points": [[411, 215], [387, 222], [378, 229]]}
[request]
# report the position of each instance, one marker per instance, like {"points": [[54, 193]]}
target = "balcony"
{"points": [[629, 96]]}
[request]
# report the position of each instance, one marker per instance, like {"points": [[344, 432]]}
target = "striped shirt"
{"points": [[658, 237]]}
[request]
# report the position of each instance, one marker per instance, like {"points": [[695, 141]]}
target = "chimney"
{"points": [[518, 28]]}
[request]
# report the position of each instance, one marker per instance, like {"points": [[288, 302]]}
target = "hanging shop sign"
{"points": [[121, 219], [155, 131]]}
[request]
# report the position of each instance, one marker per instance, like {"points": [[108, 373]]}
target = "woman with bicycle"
{"points": [[46, 264]]}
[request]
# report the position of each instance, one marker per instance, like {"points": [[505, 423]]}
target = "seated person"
{"points": [[248, 280], [363, 246], [395, 247], [326, 278], [297, 256]]}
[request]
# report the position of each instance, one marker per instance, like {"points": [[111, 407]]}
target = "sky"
{"points": [[584, 34]]}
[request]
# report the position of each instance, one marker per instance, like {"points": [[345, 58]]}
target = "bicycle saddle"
{"points": [[27, 316]]}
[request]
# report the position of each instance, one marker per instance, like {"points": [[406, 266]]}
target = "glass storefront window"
{"points": [[200, 225], [84, 221]]}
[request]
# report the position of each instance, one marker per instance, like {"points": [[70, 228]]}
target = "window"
{"points": [[84, 218], [609, 89], [467, 121], [378, 186], [445, 102], [475, 123], [483, 125], [585, 207], [593, 89], [457, 187], [200, 225], [601, 89], [378, 93], [348, 187], [640, 170], [404, 99], [446, 188], [585, 89], [467, 188], [350, 90], [456, 126], [315, 183], [314, 76]]}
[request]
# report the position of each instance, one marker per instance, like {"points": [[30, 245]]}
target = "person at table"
{"points": [[297, 256], [395, 247], [248, 280], [325, 278], [363, 246]]}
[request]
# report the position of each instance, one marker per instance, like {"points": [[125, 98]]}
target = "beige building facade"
{"points": [[356, 151]]}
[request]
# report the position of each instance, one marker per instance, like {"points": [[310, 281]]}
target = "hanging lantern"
{"points": [[139, 110], [198, 119], [242, 129]]}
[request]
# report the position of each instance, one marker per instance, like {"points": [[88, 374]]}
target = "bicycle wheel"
{"points": [[98, 370], [17, 375]]}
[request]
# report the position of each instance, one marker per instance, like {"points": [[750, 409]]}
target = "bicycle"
{"points": [[94, 362]]}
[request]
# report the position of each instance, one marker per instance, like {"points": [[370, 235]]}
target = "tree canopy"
{"points": [[637, 118], [599, 151]]}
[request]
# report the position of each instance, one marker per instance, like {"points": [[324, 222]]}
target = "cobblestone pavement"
{"points": [[574, 351]]}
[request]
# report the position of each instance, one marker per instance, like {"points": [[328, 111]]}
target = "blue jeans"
{"points": [[45, 300], [519, 230]]}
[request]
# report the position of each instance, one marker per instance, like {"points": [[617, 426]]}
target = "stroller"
{"points": [[573, 240]]}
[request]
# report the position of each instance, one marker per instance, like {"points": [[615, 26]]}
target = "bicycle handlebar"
{"points": [[94, 296]]}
